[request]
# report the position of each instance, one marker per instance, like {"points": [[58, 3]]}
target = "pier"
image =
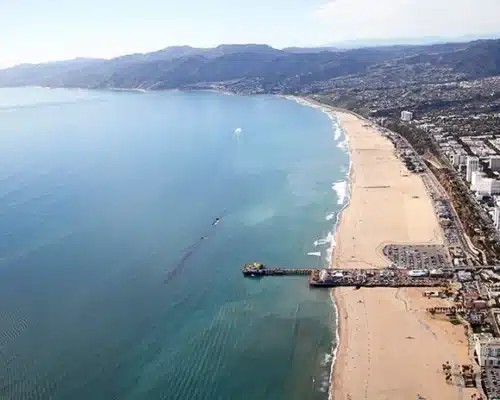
{"points": [[376, 278], [256, 270], [387, 277]]}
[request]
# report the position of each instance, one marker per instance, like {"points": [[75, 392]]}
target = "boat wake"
{"points": [[191, 250]]}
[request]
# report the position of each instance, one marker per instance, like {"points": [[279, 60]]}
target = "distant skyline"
{"points": [[38, 31]]}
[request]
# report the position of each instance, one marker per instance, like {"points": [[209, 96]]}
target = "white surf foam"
{"points": [[314, 253], [327, 359], [340, 189], [332, 243], [331, 216], [323, 241], [338, 132], [328, 241], [335, 345], [343, 144]]}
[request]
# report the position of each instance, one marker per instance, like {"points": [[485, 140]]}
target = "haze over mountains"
{"points": [[256, 68], [410, 41]]}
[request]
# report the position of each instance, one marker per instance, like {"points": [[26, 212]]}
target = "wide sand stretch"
{"points": [[389, 347]]}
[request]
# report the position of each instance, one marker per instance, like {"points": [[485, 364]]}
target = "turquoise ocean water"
{"points": [[107, 289]]}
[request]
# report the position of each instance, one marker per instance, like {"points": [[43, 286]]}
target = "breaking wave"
{"points": [[340, 189], [329, 241], [343, 144], [338, 132]]}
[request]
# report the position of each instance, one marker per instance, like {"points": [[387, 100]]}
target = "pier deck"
{"points": [[388, 277], [278, 271]]}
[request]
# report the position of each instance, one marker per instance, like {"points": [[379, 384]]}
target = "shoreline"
{"points": [[331, 113], [342, 331], [401, 211], [346, 303], [131, 90], [333, 297], [388, 205]]}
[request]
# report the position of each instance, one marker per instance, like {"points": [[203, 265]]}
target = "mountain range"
{"points": [[255, 68]]}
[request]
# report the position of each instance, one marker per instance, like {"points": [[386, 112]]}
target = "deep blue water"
{"points": [[107, 290]]}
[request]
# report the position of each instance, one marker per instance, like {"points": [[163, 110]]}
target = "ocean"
{"points": [[115, 283]]}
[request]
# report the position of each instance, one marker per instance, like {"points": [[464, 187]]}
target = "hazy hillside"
{"points": [[477, 59], [260, 68]]}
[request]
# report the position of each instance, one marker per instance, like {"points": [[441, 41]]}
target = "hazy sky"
{"points": [[43, 30]]}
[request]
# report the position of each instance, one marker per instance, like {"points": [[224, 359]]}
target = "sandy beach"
{"points": [[390, 348]]}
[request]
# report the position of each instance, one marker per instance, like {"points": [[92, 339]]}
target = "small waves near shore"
{"points": [[342, 194]]}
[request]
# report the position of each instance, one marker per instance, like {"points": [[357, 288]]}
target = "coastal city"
{"points": [[275, 200], [460, 273], [473, 294]]}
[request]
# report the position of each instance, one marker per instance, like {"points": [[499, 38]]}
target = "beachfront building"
{"points": [[455, 160], [494, 188], [476, 179], [472, 166], [494, 163], [406, 116], [458, 159], [487, 349], [484, 186], [464, 276], [496, 216]]}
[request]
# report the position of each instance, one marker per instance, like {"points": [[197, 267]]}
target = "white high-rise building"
{"points": [[484, 186], [480, 184], [496, 216], [476, 179], [487, 349], [455, 160], [494, 188], [495, 163], [458, 159], [406, 116], [472, 166]]}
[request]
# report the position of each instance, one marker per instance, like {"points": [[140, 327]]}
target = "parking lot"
{"points": [[417, 257], [447, 221]]}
